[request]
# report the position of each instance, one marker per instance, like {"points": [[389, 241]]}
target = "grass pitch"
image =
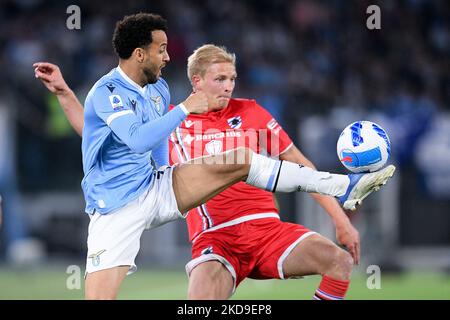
{"points": [[51, 283]]}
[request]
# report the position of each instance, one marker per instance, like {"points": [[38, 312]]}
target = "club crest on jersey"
{"points": [[213, 147], [157, 101], [116, 102], [235, 122]]}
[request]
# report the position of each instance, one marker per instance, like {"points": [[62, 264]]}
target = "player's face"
{"points": [[218, 84], [156, 56]]}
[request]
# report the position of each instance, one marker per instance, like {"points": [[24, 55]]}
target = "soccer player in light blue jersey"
{"points": [[126, 127]]}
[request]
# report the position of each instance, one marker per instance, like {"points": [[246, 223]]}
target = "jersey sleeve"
{"points": [[108, 106], [118, 116], [273, 138]]}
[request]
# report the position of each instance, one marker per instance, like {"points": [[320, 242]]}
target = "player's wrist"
{"points": [[185, 110], [64, 92]]}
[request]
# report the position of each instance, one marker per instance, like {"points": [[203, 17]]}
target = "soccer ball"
{"points": [[363, 146]]}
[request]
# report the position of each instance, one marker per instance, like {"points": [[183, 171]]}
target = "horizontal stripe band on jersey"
{"points": [[116, 115]]}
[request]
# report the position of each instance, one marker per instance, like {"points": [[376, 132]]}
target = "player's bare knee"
{"points": [[347, 262], [205, 289], [195, 291], [341, 264], [210, 280]]}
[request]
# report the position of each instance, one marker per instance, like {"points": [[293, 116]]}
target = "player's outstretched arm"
{"points": [[51, 77], [346, 234]]}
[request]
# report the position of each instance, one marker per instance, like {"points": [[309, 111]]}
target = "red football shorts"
{"points": [[255, 249]]}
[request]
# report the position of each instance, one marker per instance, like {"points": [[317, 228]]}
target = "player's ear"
{"points": [[138, 53], [196, 82]]}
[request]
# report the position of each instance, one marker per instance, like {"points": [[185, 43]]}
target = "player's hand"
{"points": [[51, 77], [348, 236], [197, 102]]}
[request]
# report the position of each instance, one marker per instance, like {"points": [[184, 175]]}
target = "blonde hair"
{"points": [[205, 56]]}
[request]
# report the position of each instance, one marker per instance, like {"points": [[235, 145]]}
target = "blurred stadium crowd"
{"points": [[310, 63]]}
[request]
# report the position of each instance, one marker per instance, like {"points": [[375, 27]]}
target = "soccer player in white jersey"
{"points": [[125, 135]]}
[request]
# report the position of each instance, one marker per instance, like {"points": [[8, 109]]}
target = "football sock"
{"points": [[284, 176], [331, 289]]}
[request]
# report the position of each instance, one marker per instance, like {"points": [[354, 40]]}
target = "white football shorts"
{"points": [[114, 238]]}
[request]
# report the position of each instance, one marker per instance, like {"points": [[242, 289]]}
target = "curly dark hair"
{"points": [[135, 31]]}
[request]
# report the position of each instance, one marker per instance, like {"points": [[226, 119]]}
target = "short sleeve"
{"points": [[109, 105]]}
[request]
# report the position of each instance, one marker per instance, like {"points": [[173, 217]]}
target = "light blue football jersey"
{"points": [[126, 127]]}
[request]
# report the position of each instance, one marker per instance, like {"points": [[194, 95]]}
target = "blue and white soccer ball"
{"points": [[363, 146]]}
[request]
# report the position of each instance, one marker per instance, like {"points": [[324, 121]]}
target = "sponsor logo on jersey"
{"points": [[188, 123], [110, 87], [116, 102], [157, 101], [213, 147], [133, 105], [96, 258], [218, 135], [235, 122]]}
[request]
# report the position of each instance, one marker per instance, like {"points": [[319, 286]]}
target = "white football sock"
{"points": [[284, 176]]}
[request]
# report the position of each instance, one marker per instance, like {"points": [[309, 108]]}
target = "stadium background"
{"points": [[313, 64]]}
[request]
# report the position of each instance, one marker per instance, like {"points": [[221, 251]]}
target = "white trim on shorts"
{"points": [[289, 250], [211, 257]]}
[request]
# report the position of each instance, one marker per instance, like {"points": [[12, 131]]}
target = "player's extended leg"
{"points": [[318, 255], [199, 180], [195, 183], [210, 280], [104, 284]]}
